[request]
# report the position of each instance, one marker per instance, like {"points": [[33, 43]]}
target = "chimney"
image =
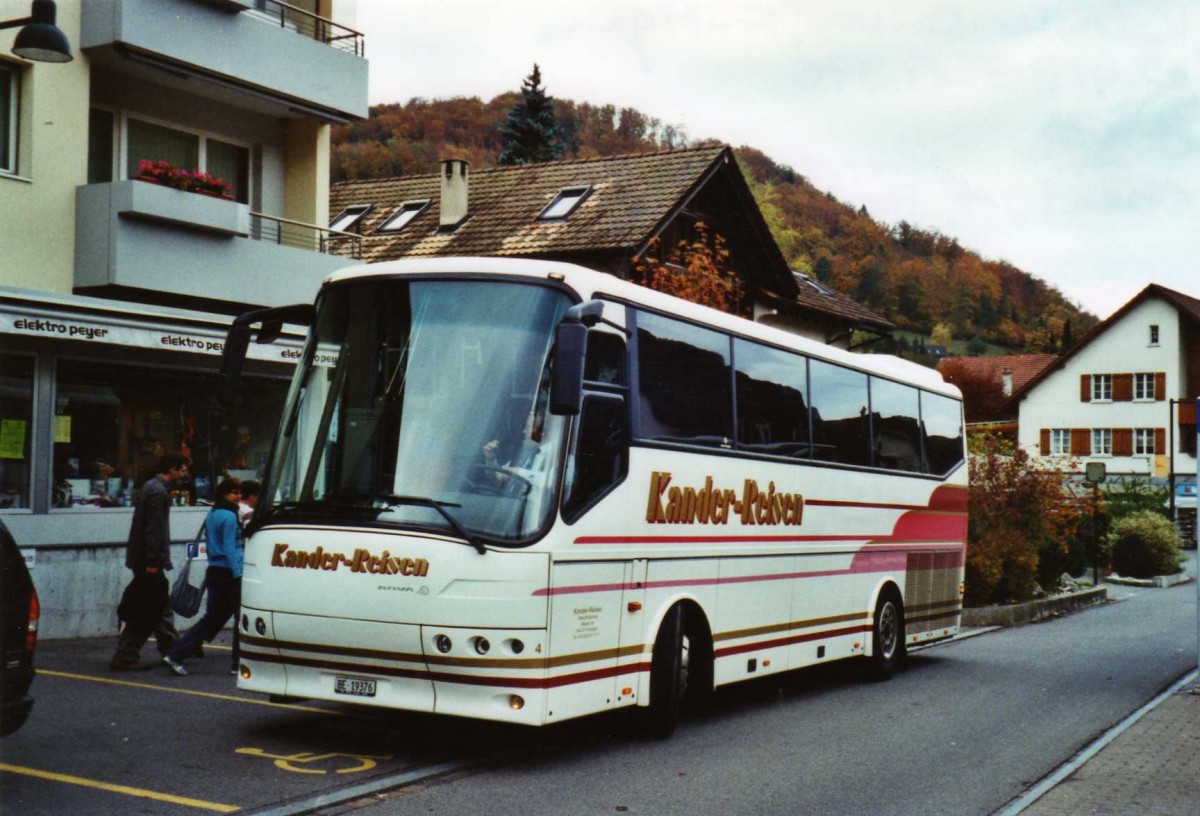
{"points": [[454, 192]]}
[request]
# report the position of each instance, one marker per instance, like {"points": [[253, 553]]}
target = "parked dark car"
{"points": [[18, 628]]}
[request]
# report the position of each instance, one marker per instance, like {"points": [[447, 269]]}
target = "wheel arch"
{"points": [[694, 614]]}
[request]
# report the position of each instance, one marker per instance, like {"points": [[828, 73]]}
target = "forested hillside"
{"points": [[921, 280]]}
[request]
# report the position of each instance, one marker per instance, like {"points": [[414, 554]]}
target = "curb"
{"points": [[1158, 581], [1033, 611]]}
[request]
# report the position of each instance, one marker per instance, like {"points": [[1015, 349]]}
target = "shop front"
{"points": [[92, 393]]}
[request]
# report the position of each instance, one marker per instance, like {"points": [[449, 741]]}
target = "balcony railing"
{"points": [[297, 234], [311, 25]]}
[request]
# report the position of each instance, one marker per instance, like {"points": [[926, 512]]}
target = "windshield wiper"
{"points": [[440, 506]]}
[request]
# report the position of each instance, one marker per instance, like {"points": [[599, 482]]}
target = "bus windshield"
{"points": [[423, 403]]}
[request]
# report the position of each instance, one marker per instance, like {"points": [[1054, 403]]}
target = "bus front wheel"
{"points": [[887, 636], [670, 666]]}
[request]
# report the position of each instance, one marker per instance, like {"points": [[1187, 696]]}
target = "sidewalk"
{"points": [[1152, 768]]}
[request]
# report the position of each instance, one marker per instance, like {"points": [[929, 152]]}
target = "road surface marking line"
{"points": [[229, 697], [145, 794]]}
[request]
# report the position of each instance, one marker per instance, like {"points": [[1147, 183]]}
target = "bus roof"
{"points": [[590, 283]]}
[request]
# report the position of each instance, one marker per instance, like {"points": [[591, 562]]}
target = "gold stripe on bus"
{"points": [[737, 634]]}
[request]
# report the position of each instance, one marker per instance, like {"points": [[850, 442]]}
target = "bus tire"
{"points": [[887, 636], [670, 665]]}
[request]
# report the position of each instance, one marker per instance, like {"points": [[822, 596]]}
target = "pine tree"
{"points": [[530, 132]]}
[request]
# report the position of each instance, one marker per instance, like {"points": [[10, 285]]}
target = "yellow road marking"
{"points": [[145, 794], [155, 687]]}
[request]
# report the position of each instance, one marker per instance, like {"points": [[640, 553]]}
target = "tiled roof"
{"points": [[630, 195], [1188, 306], [1023, 367], [821, 298]]}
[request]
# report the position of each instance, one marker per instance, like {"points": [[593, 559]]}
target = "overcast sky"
{"points": [[1063, 137]]}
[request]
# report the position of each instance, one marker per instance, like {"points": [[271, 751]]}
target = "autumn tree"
{"points": [[530, 132], [1019, 519], [698, 270]]}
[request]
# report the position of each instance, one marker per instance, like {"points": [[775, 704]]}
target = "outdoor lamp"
{"points": [[40, 39]]}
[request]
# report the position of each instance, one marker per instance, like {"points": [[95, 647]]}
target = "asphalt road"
{"points": [[971, 725]]}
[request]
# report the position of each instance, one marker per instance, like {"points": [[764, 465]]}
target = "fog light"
{"points": [[245, 623], [516, 702], [443, 644], [245, 672], [482, 646], [517, 647], [260, 626]]}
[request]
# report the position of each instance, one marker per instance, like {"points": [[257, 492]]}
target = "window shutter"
{"points": [[1081, 442], [1122, 387], [1045, 441], [1085, 387], [1160, 386], [1160, 440], [1122, 441]]}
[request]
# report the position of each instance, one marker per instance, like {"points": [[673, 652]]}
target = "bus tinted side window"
{"points": [[683, 382], [897, 435], [772, 408], [840, 420], [941, 421]]}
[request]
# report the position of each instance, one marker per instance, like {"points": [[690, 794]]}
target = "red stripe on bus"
{"points": [[790, 640]]}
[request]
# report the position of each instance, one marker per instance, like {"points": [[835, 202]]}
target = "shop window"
{"points": [[16, 427], [113, 423]]}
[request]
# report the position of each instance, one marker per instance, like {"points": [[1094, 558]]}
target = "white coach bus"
{"points": [[526, 491]]}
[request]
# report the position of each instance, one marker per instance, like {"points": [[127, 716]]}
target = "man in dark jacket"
{"points": [[144, 606]]}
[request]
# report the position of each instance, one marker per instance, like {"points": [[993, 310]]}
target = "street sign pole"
{"points": [[1094, 472]]}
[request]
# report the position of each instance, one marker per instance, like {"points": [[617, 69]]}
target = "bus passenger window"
{"points": [[605, 360], [841, 426], [941, 422], [601, 457], [683, 383], [772, 412], [897, 438]]}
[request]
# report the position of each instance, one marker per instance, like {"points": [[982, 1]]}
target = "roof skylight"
{"points": [[407, 212], [564, 203], [349, 217]]}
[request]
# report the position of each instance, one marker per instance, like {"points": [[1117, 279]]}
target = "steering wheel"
{"points": [[497, 481]]}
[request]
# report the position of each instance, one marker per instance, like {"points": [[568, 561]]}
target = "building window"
{"points": [[565, 203], [407, 212], [1102, 442], [1143, 441], [9, 75], [16, 429], [186, 150], [1153, 334], [1102, 387], [1143, 386], [1060, 441], [113, 422], [349, 217]]}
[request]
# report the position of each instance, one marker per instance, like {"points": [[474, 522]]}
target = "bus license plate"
{"points": [[355, 686]]}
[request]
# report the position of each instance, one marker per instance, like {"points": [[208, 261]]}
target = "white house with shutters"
{"points": [[1124, 395]]}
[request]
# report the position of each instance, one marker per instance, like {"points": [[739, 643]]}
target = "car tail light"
{"points": [[35, 611]]}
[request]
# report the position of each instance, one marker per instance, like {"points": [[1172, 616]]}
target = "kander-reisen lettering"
{"points": [[671, 504], [361, 561]]}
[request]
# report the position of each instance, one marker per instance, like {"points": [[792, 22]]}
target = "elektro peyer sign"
{"points": [[671, 504]]}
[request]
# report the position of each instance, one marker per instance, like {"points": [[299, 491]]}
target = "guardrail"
{"points": [[312, 25], [286, 232]]}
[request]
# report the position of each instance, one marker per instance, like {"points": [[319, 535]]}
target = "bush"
{"points": [[1145, 544], [1019, 519]]}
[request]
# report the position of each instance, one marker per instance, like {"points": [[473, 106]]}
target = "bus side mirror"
{"points": [[237, 341], [566, 384]]}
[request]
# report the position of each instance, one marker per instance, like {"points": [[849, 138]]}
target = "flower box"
{"points": [[190, 181]]}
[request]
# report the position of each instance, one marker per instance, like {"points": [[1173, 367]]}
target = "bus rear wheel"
{"points": [[887, 636], [680, 670]]}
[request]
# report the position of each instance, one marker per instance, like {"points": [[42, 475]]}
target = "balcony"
{"points": [[201, 250], [262, 55]]}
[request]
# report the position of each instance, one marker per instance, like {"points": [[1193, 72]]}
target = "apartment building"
{"points": [[119, 270]]}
